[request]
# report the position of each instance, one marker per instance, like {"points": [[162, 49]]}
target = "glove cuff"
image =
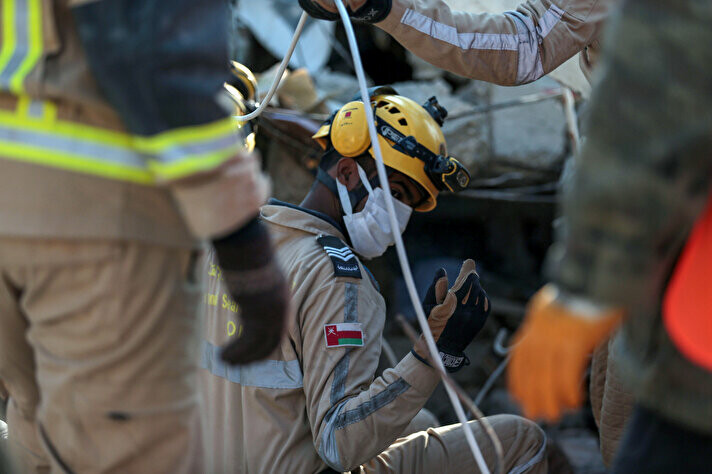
{"points": [[453, 361], [373, 11], [417, 356]]}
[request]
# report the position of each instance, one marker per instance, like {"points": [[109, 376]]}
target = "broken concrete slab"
{"points": [[530, 136]]}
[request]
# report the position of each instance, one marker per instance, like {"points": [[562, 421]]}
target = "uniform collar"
{"points": [[296, 217]]}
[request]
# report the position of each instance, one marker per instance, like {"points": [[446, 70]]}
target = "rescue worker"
{"points": [[316, 405], [640, 192], [117, 156], [511, 48]]}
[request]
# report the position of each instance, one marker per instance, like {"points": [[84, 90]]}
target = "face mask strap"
{"points": [[357, 194], [344, 197], [364, 179]]}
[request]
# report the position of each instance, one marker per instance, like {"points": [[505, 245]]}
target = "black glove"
{"points": [[372, 11], [455, 316], [436, 293], [256, 283], [466, 322]]}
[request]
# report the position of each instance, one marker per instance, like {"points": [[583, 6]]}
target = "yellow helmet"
{"points": [[410, 137]]}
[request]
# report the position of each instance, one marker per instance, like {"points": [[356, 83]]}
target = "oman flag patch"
{"points": [[343, 335]]}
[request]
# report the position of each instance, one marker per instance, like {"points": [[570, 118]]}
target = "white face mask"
{"points": [[370, 229]]}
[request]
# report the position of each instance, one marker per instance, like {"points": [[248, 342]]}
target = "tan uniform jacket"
{"points": [[308, 406], [61, 110], [515, 47]]}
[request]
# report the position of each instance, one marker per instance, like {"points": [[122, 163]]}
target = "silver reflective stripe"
{"points": [[341, 371], [22, 42], [449, 34], [72, 146], [376, 402], [36, 109], [549, 20], [525, 41], [180, 152], [529, 65], [328, 451], [351, 303], [538, 457], [337, 419], [280, 374]]}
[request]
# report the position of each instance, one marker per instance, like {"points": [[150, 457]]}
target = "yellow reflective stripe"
{"points": [[191, 165], [69, 162], [34, 40], [23, 105], [22, 42], [50, 112], [69, 129], [187, 150], [184, 135], [8, 32], [111, 154]]}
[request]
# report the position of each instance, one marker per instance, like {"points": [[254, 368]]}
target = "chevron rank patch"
{"points": [[343, 259]]}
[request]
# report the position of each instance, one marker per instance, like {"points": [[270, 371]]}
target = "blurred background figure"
{"points": [[636, 240], [118, 155]]}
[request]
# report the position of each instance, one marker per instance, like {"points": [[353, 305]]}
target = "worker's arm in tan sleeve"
{"points": [[354, 417], [177, 114], [510, 48]]}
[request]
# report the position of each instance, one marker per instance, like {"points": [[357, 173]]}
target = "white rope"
{"points": [[280, 72], [395, 229]]}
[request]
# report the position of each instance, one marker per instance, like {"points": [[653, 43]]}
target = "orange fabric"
{"points": [[687, 307]]}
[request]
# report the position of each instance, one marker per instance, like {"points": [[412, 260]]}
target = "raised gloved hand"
{"points": [[367, 11], [455, 316], [256, 283], [551, 351]]}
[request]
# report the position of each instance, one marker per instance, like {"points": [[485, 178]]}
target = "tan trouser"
{"points": [[611, 401], [98, 351], [445, 449]]}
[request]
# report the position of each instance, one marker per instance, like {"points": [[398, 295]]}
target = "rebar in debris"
{"points": [[571, 119]]}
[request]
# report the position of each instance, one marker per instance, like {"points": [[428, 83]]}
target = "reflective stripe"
{"points": [[351, 303], [116, 155], [368, 407], [529, 64], [36, 109], [22, 41], [279, 374], [33, 136], [536, 459], [341, 371], [337, 419], [328, 450], [449, 34], [29, 107], [525, 41], [184, 151]]}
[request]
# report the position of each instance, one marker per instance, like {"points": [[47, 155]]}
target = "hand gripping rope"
{"points": [[383, 177]]}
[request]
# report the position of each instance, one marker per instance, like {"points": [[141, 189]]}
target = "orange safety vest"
{"points": [[687, 307]]}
